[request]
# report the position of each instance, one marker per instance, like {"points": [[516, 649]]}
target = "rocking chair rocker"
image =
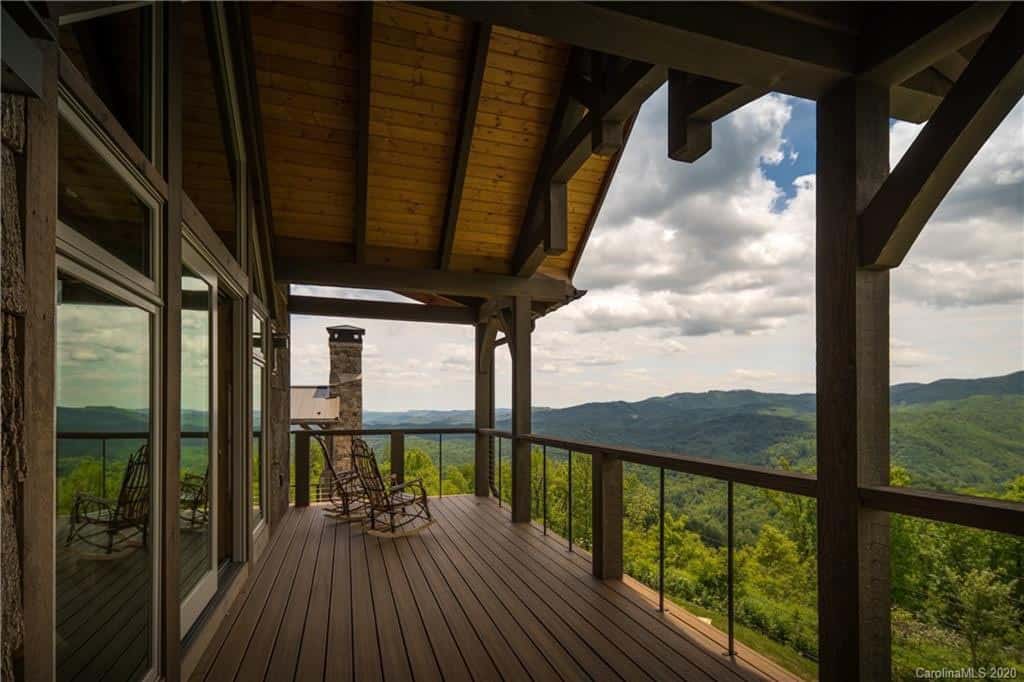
{"points": [[346, 499], [116, 522], [393, 510]]}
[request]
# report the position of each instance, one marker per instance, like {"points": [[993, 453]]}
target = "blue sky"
{"points": [[799, 149]]}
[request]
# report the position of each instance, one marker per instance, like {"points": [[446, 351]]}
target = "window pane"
{"points": [[97, 202], [104, 607], [257, 443], [113, 53], [194, 509], [208, 154]]}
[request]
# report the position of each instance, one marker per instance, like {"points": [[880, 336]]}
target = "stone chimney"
{"points": [[346, 383]]}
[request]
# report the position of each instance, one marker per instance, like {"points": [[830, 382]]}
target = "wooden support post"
{"points": [[398, 456], [607, 517], [521, 406], [170, 364], [302, 469], [170, 355], [39, 373], [483, 388], [852, 386]]}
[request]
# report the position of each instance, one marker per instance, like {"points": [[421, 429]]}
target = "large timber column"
{"points": [[483, 384], [852, 388], [521, 405]]}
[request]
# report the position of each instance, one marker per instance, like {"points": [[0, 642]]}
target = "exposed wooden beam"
{"points": [[985, 93], [329, 272], [601, 194], [907, 38], [380, 310], [567, 149], [522, 405], [467, 122], [694, 102], [737, 43], [362, 132]]}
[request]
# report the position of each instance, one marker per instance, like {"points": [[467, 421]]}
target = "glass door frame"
{"points": [[193, 604], [66, 264]]}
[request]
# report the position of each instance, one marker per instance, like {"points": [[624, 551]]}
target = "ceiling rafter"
{"points": [[615, 95], [467, 123], [364, 59], [988, 89]]}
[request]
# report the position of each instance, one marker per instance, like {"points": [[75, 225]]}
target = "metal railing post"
{"points": [[569, 505], [499, 471], [729, 570], [544, 485], [661, 538], [440, 465]]}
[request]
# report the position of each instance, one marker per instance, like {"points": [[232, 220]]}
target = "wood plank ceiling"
{"points": [[308, 74]]}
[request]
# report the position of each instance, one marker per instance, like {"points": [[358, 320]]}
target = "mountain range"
{"points": [[948, 434]]}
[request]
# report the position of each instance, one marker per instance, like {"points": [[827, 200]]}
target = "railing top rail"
{"points": [[495, 432], [468, 430], [976, 512], [747, 474], [116, 435]]}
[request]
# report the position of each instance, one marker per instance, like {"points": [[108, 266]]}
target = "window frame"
{"points": [[83, 249]]}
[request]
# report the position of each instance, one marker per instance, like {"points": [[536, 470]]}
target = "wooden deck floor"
{"points": [[471, 598]]}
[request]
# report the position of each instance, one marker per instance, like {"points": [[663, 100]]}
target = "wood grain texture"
{"points": [[473, 597]]}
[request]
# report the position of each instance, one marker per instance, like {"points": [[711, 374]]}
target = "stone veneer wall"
{"points": [[347, 384], [12, 458], [280, 416]]}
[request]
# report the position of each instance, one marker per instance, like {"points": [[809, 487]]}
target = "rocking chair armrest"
{"points": [[416, 482]]}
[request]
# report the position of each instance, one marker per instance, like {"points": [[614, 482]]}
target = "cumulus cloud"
{"points": [[701, 248], [971, 252]]}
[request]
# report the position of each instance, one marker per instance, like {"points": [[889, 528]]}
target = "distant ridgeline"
{"points": [[949, 434]]}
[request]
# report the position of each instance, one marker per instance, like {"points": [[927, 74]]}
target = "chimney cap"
{"points": [[346, 333]]}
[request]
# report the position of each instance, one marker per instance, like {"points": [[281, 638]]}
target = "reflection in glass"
{"points": [[208, 153], [104, 558], [257, 336], [194, 508], [113, 52], [94, 200], [257, 443]]}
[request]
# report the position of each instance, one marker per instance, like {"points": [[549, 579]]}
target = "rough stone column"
{"points": [[280, 413], [12, 461], [346, 346]]}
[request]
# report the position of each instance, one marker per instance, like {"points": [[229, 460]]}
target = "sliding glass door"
{"points": [[197, 507]]}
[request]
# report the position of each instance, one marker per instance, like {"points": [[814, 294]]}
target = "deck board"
{"points": [[473, 597]]}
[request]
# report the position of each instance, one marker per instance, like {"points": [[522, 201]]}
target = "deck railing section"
{"points": [[302, 490], [980, 513]]}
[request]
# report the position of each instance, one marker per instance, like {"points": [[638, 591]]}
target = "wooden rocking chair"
{"points": [[115, 524], [195, 501], [394, 510], [346, 499]]}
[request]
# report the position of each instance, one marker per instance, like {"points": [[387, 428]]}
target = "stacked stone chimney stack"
{"points": [[346, 383]]}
